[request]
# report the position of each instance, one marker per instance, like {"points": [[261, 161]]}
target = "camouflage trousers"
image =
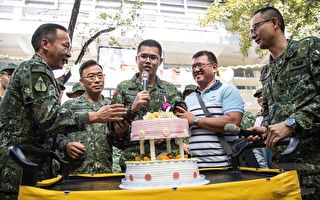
{"points": [[310, 185], [8, 196], [116, 153]]}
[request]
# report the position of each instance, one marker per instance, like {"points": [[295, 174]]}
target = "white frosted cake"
{"points": [[167, 173], [162, 174]]}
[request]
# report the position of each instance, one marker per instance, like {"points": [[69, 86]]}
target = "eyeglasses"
{"points": [[92, 77], [255, 26], [200, 65], [67, 48], [144, 57]]}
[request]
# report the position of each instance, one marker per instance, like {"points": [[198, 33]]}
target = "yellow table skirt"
{"points": [[284, 186]]}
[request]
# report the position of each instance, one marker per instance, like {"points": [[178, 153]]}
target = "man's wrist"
{"points": [[196, 120], [291, 123], [130, 114]]}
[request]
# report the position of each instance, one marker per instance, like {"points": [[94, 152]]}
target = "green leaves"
{"points": [[302, 17]]}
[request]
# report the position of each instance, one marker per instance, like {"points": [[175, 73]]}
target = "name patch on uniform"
{"points": [[40, 85]]}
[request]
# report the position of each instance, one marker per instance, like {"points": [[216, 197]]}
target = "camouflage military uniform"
{"points": [[247, 120], [30, 114], [96, 139], [161, 92], [291, 85]]}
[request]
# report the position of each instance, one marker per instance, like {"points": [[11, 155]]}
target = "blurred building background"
{"points": [[174, 23]]}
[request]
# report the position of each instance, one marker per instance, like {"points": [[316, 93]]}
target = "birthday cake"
{"points": [[161, 171]]}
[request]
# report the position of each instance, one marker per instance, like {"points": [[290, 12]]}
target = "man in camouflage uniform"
{"points": [[139, 101], [89, 151], [77, 90], [6, 72], [30, 113], [291, 85], [188, 89]]}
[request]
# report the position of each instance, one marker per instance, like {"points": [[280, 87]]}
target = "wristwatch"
{"points": [[196, 120], [290, 122]]}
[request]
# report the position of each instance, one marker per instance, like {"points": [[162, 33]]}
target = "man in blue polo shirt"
{"points": [[224, 103]]}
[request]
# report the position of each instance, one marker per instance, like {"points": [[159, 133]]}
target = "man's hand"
{"points": [[262, 131], [183, 114], [272, 134], [277, 132], [141, 99], [108, 113], [121, 128], [75, 150]]}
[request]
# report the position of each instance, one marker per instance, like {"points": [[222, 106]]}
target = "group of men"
{"points": [[85, 128]]}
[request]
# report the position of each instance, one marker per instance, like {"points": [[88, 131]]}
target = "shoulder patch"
{"points": [[40, 85]]}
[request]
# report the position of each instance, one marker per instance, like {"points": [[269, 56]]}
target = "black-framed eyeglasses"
{"points": [[144, 57], [255, 26], [92, 77], [67, 48], [200, 65]]}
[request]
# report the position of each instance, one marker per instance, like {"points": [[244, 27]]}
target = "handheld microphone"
{"points": [[145, 77], [232, 128]]}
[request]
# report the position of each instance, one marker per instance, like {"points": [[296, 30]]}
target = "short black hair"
{"points": [[150, 43], [86, 64], [211, 57], [49, 31], [272, 12]]}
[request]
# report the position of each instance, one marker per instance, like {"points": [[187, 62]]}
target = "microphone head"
{"points": [[232, 128], [145, 75]]}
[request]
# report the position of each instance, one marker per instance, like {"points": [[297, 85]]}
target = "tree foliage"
{"points": [[123, 19], [302, 17]]}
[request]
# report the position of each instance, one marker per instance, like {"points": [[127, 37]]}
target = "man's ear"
{"points": [[81, 82], [275, 22], [44, 44], [161, 60]]}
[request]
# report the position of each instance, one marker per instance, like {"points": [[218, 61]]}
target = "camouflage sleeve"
{"points": [[308, 107], [265, 113], [63, 139], [247, 120], [117, 95], [41, 97]]}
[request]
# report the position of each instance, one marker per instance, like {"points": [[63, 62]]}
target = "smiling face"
{"points": [[262, 30], [57, 52], [148, 59], [93, 79], [203, 71]]}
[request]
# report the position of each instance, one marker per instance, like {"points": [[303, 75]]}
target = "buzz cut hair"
{"points": [[150, 43]]}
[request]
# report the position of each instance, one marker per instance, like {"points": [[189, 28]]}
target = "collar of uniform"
{"points": [[288, 53], [83, 99]]}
